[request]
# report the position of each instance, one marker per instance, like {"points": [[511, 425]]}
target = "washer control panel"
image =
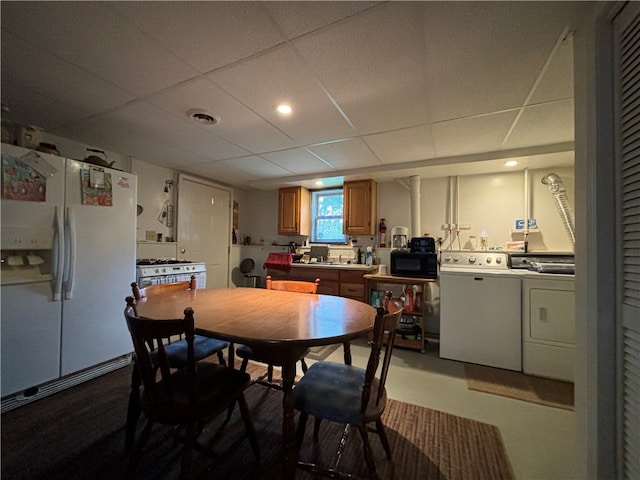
{"points": [[481, 259]]}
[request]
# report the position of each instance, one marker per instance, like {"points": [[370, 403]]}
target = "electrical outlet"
{"points": [[464, 226]]}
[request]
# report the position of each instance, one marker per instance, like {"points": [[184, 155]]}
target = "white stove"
{"points": [[153, 272]]}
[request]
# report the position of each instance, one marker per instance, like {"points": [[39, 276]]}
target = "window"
{"points": [[326, 216]]}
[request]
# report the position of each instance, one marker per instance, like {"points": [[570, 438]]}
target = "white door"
{"points": [[204, 226]]}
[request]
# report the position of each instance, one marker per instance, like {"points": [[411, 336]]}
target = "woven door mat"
{"points": [[544, 391]]}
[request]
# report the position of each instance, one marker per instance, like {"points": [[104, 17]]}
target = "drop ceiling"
{"points": [[379, 90]]}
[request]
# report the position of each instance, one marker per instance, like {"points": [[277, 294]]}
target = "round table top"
{"points": [[257, 316]]}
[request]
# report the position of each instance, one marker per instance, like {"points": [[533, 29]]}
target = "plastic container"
{"points": [[408, 299]]}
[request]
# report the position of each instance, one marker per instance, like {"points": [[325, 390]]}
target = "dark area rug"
{"points": [[79, 434]]}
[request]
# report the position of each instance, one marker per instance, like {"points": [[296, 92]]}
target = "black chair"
{"points": [[176, 349], [246, 268], [185, 397], [350, 395]]}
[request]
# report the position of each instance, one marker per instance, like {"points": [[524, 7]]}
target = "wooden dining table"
{"points": [[277, 324]]}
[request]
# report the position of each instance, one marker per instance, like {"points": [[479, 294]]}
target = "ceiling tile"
{"points": [[63, 81], [406, 145], [470, 135], [221, 172], [148, 120], [238, 124], [346, 154], [28, 107], [256, 167], [108, 134], [314, 119], [299, 18], [557, 82], [553, 122], [218, 33], [491, 63], [297, 161], [97, 40], [374, 67]]}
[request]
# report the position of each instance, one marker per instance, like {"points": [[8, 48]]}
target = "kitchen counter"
{"points": [[343, 279], [335, 266]]}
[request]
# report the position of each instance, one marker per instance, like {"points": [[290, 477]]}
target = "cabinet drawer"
{"points": [[310, 274], [352, 290], [352, 276], [328, 288]]}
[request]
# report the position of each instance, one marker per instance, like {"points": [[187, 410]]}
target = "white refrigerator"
{"points": [[68, 259]]}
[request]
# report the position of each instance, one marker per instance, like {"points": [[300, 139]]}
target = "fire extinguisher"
{"points": [[383, 233]]}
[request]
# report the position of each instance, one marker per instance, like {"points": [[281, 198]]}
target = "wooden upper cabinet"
{"points": [[360, 198], [294, 211]]}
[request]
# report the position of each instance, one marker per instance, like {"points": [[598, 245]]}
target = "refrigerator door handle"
{"points": [[71, 254], [58, 255]]}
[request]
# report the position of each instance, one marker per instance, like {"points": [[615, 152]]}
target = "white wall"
{"points": [[488, 202], [152, 198]]}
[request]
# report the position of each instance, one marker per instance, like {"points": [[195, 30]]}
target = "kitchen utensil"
{"points": [[95, 160]]}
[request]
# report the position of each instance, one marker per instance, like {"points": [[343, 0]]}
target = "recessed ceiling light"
{"points": [[319, 183], [202, 117], [284, 109], [510, 163]]}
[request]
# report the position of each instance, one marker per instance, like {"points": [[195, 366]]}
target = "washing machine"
{"points": [[480, 309]]}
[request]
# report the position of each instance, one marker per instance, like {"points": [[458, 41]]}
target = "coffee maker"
{"points": [[399, 238]]}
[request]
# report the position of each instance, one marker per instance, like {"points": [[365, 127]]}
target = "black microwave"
{"points": [[414, 264]]}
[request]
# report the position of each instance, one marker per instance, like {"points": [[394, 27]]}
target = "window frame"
{"points": [[315, 195]]}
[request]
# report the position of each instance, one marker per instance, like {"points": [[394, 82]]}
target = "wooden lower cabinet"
{"points": [[329, 279], [333, 281], [352, 284]]}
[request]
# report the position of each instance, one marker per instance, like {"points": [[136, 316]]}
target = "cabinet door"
{"points": [[293, 211], [360, 207]]}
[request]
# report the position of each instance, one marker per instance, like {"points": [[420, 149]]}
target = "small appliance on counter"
{"points": [[399, 238], [419, 261]]}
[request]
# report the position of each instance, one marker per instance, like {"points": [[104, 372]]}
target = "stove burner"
{"points": [[160, 261]]}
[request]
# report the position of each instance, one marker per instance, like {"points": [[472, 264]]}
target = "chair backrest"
{"points": [[148, 336], [247, 265], [293, 285], [161, 288], [383, 338]]}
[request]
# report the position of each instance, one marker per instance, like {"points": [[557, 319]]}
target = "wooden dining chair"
{"points": [[350, 395], [175, 349], [247, 353], [185, 397]]}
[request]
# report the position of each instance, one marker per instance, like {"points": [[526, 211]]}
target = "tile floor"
{"points": [[539, 440]]}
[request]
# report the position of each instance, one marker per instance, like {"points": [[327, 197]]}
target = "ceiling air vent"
{"points": [[202, 117]]}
